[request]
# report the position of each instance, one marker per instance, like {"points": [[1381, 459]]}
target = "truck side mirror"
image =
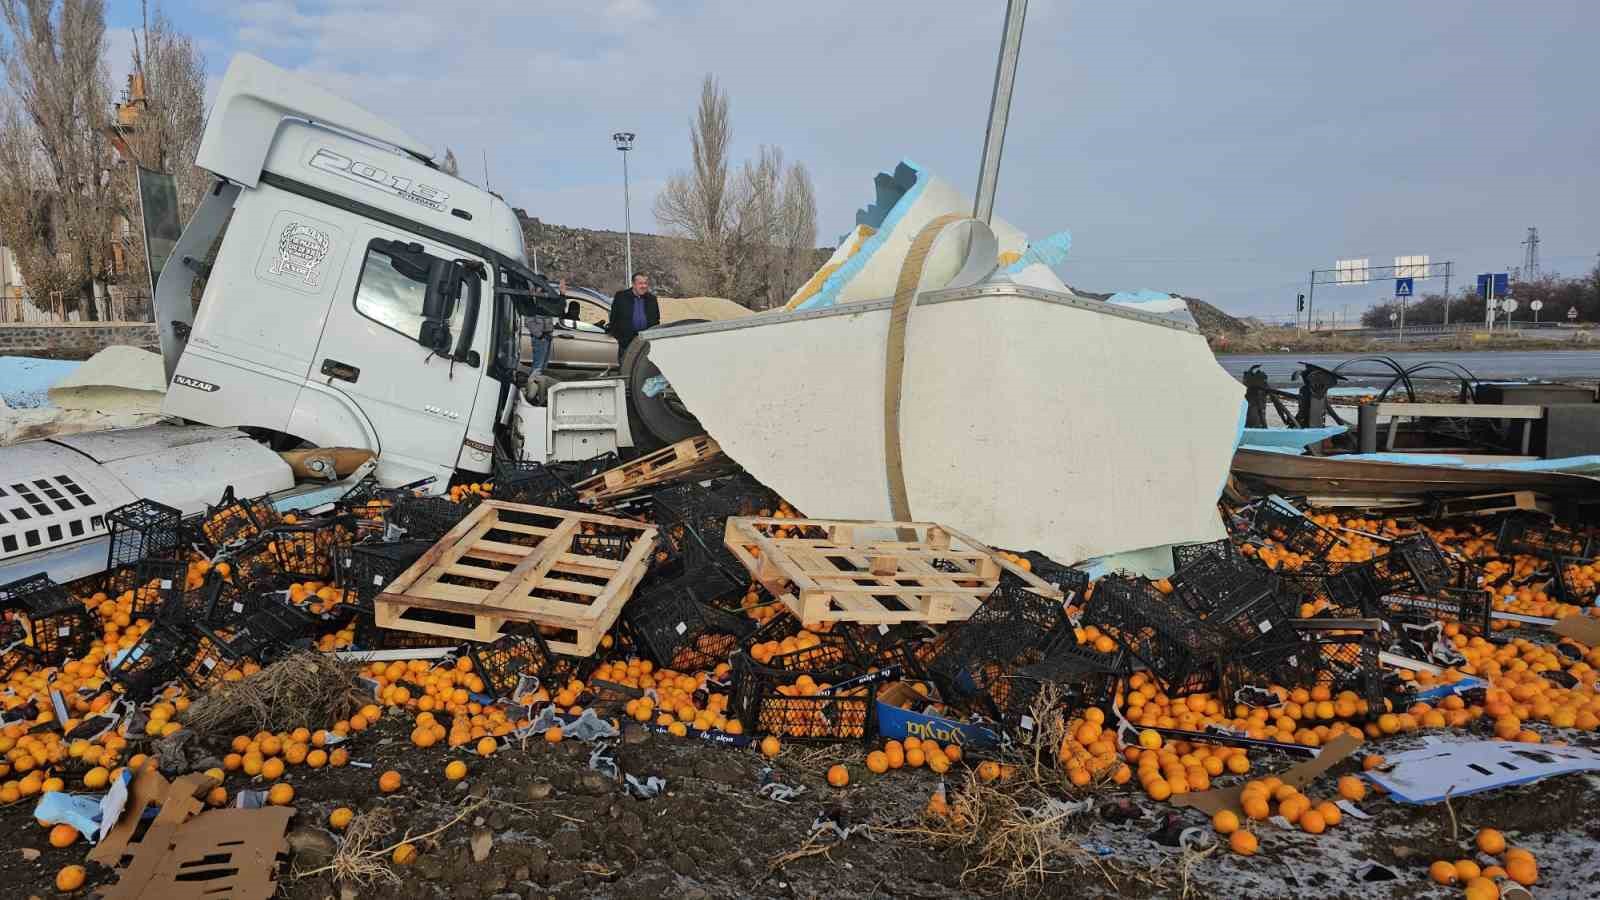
{"points": [[438, 302], [572, 310]]}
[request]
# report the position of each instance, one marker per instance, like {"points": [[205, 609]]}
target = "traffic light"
{"points": [[1300, 303]]}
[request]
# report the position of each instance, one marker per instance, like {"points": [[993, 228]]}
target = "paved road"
{"points": [[1486, 365]]}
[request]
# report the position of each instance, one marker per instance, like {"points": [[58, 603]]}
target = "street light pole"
{"points": [[624, 141]]}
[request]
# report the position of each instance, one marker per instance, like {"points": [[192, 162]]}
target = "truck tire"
{"points": [[655, 421]]}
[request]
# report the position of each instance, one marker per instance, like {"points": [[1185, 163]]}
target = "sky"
{"points": [[1220, 150]]}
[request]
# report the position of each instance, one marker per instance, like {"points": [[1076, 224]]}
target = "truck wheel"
{"points": [[655, 421]]}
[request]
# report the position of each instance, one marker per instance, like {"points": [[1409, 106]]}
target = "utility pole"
{"points": [[994, 138], [624, 141]]}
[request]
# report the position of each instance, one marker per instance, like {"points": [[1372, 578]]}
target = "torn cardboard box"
{"points": [[186, 852], [1213, 801]]}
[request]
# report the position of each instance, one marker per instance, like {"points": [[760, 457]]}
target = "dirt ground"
{"points": [[560, 830]]}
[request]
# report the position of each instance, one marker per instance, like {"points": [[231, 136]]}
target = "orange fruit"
{"points": [[1226, 821], [1311, 822], [487, 745], [280, 794], [1523, 870], [316, 759], [877, 762], [1158, 790], [1256, 807], [63, 835], [455, 770], [70, 878], [1243, 843], [838, 776], [770, 746], [1442, 872], [405, 854], [1481, 888], [340, 817], [389, 782], [217, 796], [553, 734], [1466, 870], [915, 757], [1491, 841], [1331, 814], [1352, 788], [272, 769]]}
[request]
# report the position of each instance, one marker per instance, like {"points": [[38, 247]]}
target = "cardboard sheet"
{"points": [[1460, 767], [187, 852]]}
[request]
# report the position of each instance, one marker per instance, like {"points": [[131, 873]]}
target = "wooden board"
{"points": [[876, 573], [1328, 476], [688, 457], [510, 562]]}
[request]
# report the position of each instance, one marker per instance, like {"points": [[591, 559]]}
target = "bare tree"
{"points": [[694, 205], [165, 118], [746, 237], [56, 190]]}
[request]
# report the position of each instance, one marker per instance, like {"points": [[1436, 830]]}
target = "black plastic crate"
{"points": [[883, 646], [533, 483], [273, 630], [1213, 584], [1085, 678], [676, 624], [1468, 607], [1413, 564], [143, 529], [367, 569], [1183, 555], [232, 520], [155, 582], [208, 660], [1009, 631], [1573, 585], [221, 602], [1289, 527], [693, 519], [1539, 536], [14, 650], [1341, 654], [1345, 594], [427, 518], [1070, 581], [152, 662], [59, 623], [306, 549], [604, 542], [502, 664], [1179, 648], [771, 701]]}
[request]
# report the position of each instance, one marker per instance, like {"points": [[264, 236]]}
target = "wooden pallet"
{"points": [[509, 562], [875, 573], [688, 457]]}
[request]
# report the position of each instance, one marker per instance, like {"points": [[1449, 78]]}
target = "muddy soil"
{"points": [[560, 830]]}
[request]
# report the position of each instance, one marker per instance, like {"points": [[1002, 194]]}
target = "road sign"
{"points": [[1510, 306], [1572, 312], [1536, 305], [1493, 284], [1402, 287], [1393, 317]]}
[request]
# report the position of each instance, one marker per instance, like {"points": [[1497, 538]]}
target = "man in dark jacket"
{"points": [[632, 311]]}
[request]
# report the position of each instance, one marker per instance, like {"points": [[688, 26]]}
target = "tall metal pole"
{"points": [[994, 139], [627, 217], [624, 140], [1447, 293], [1311, 298]]}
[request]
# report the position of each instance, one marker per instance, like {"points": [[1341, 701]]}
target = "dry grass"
{"points": [[362, 860], [304, 690]]}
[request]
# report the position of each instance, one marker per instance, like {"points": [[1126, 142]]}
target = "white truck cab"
{"points": [[359, 298], [315, 322]]}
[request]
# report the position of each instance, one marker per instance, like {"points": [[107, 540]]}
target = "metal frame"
{"points": [[1312, 282]]}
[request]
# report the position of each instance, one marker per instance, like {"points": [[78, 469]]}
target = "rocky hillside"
{"points": [[595, 259], [1214, 322]]}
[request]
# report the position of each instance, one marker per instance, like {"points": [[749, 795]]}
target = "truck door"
{"points": [[416, 400]]}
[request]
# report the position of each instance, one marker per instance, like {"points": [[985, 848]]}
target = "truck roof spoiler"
{"points": [[254, 99]]}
